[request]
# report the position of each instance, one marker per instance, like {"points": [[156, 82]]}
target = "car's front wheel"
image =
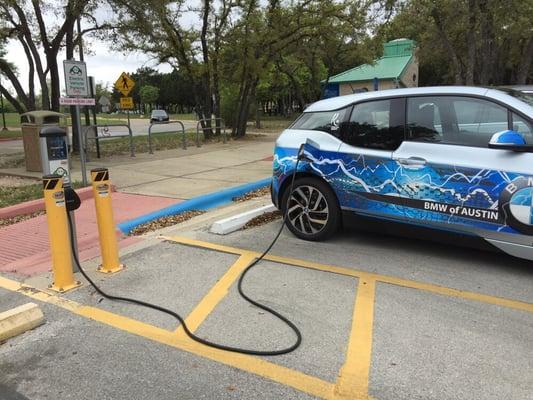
{"points": [[312, 210]]}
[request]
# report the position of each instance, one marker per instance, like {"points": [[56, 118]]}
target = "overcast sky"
{"points": [[103, 64]]}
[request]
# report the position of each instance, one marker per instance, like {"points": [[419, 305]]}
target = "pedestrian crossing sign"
{"points": [[124, 84]]}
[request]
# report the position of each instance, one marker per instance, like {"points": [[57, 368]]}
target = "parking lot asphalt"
{"points": [[382, 317]]}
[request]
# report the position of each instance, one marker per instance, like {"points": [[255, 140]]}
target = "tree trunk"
{"points": [[525, 63], [31, 74], [10, 74], [54, 81], [487, 44], [244, 106], [18, 106], [471, 41], [206, 72], [454, 58]]}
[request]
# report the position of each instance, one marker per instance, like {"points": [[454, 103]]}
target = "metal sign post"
{"points": [[76, 127], [77, 86], [124, 85], [4, 128]]}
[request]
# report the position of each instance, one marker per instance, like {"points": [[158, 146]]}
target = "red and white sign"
{"points": [[76, 101]]}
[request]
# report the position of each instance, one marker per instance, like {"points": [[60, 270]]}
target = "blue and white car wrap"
{"points": [[470, 190]]}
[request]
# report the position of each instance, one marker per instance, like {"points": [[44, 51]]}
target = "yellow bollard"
{"points": [[58, 232], [106, 222]]}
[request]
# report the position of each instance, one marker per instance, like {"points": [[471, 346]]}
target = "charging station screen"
{"points": [[57, 148]]}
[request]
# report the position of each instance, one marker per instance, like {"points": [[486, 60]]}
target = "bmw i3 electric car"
{"points": [[449, 159]]}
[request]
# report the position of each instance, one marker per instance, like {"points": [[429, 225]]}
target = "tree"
{"points": [[149, 94], [25, 22], [154, 27], [473, 42]]}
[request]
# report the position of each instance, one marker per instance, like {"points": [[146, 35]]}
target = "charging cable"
{"points": [[194, 337]]}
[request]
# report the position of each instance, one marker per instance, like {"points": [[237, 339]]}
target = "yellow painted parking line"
{"points": [[429, 287], [450, 292], [216, 294], [207, 245], [278, 259], [277, 373], [352, 382]]}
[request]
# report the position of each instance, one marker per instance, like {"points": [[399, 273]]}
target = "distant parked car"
{"points": [[158, 116]]}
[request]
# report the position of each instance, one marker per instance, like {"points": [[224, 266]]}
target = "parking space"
{"points": [[381, 317]]}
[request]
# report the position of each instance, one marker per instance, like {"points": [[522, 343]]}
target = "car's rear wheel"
{"points": [[312, 209]]}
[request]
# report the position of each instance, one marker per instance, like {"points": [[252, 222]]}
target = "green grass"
{"points": [[12, 133], [108, 118], [15, 195], [10, 195], [160, 141], [12, 119]]}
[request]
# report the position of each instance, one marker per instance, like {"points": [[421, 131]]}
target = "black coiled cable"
{"points": [[239, 287]]}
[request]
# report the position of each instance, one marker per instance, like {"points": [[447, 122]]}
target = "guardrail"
{"points": [[222, 125], [106, 135], [183, 137]]}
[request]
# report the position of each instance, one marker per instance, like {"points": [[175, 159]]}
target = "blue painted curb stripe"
{"points": [[203, 202]]}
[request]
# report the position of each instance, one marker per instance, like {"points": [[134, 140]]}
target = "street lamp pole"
{"points": [[3, 112]]}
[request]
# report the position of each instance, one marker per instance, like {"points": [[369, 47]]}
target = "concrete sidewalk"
{"points": [[178, 173], [145, 183], [25, 249]]}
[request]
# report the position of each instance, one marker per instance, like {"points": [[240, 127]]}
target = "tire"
{"points": [[314, 212]]}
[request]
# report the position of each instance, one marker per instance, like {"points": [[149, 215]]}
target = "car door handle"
{"points": [[412, 161]]}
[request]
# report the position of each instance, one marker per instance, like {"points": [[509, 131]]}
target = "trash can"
{"points": [[31, 124]]}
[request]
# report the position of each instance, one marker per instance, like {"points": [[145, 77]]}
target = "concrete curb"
{"points": [[32, 206], [203, 202], [236, 222], [19, 320]]}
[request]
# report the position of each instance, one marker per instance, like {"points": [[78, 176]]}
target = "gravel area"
{"points": [[252, 195], [19, 218], [262, 219], [164, 222]]}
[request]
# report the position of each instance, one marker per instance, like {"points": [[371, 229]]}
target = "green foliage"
{"points": [[148, 94], [14, 195], [229, 103], [8, 107], [10, 195], [467, 41]]}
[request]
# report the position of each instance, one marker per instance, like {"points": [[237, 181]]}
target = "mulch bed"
{"points": [[262, 219], [164, 222], [19, 218], [252, 195]]}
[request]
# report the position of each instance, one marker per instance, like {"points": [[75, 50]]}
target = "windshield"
{"points": [[159, 113]]}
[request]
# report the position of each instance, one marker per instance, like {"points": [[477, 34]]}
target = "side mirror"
{"points": [[509, 140], [309, 151]]}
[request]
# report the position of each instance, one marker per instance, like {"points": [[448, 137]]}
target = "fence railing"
{"points": [[150, 133], [106, 135], [199, 127]]}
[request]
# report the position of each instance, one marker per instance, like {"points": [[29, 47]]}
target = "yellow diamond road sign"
{"points": [[124, 84]]}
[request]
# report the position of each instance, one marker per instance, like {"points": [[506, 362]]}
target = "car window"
{"points": [[325, 121], [454, 120], [376, 124], [523, 127]]}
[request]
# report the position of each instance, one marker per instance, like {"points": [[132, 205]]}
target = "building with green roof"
{"points": [[398, 67]]}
